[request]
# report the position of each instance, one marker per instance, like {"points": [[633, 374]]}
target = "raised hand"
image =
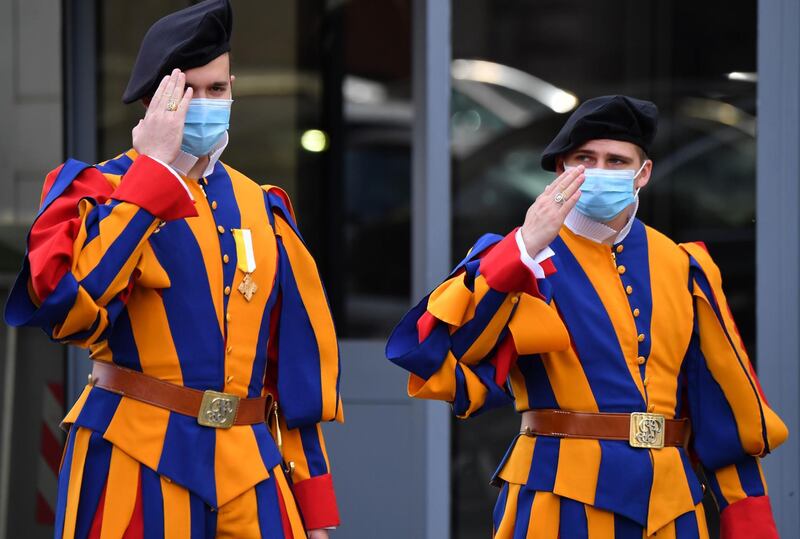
{"points": [[160, 132], [546, 215]]}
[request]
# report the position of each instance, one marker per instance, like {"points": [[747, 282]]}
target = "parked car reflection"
{"points": [[702, 188]]}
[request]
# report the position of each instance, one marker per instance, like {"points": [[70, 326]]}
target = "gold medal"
{"points": [[248, 287], [245, 261]]}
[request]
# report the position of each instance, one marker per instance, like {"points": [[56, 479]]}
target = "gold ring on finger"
{"points": [[172, 106], [559, 198]]}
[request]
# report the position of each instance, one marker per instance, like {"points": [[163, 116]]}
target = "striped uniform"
{"points": [[143, 270], [641, 326]]}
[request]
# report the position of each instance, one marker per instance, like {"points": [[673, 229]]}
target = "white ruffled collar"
{"points": [[185, 161], [596, 231]]}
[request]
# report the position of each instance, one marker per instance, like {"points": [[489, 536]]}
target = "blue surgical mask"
{"points": [[605, 193], [207, 120]]}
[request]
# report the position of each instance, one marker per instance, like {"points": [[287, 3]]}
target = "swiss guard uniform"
{"points": [[203, 313], [617, 349]]}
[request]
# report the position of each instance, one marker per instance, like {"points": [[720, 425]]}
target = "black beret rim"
{"points": [[549, 159], [153, 86], [582, 136], [148, 88]]}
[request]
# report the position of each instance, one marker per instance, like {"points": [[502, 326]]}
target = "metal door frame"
{"points": [[431, 226], [777, 243]]}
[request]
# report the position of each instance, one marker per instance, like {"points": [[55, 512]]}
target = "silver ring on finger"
{"points": [[559, 198]]}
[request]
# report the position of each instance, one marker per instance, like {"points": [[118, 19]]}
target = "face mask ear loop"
{"points": [[640, 169], [636, 193]]}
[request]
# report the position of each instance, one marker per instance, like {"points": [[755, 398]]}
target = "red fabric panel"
{"points": [[287, 525], [135, 528], [317, 501], [505, 271], [750, 518], [271, 374], [52, 235], [285, 198], [49, 180], [425, 325], [505, 357], [97, 523], [149, 185], [548, 267]]}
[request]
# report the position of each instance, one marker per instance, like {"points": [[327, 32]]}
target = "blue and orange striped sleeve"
{"points": [[732, 422], [86, 244], [303, 369], [460, 342]]}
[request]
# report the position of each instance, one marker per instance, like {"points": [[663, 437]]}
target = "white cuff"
{"points": [[180, 180], [534, 264]]}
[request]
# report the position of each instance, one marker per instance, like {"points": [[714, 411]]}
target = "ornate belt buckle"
{"points": [[218, 410], [647, 430]]}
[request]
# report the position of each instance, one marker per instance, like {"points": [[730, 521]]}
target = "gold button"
{"points": [[227, 290], [229, 349], [621, 269], [641, 337], [640, 360], [161, 224], [619, 248], [514, 299], [636, 312], [221, 229], [227, 317], [644, 382], [225, 258], [651, 408], [629, 290], [213, 204]]}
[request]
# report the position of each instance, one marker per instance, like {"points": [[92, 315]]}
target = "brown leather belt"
{"points": [[639, 429], [211, 408]]}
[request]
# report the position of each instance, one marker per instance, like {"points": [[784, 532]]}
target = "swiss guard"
{"points": [[214, 352], [615, 344]]}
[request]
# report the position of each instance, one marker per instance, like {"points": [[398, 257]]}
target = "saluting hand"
{"points": [[547, 213], [160, 132]]}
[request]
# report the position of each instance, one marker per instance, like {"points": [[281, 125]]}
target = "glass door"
{"points": [[519, 69]]}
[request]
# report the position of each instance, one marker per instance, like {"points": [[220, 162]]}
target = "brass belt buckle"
{"points": [[647, 430], [218, 410]]}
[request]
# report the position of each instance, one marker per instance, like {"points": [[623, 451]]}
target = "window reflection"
{"points": [[702, 77]]}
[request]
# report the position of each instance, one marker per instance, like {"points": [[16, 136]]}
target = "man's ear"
{"points": [[644, 176]]}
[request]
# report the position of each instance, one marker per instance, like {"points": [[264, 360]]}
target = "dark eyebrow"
{"points": [[619, 157], [217, 83]]}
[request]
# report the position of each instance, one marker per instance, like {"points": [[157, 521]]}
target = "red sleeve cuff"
{"points": [[750, 518], [149, 185], [317, 502], [505, 271]]}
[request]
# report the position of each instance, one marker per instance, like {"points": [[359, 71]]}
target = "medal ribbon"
{"points": [[245, 257]]}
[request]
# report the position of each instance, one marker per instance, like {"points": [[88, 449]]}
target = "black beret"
{"points": [[188, 38], [615, 117]]}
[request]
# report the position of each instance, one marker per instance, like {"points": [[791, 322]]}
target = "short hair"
{"points": [[642, 155]]}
